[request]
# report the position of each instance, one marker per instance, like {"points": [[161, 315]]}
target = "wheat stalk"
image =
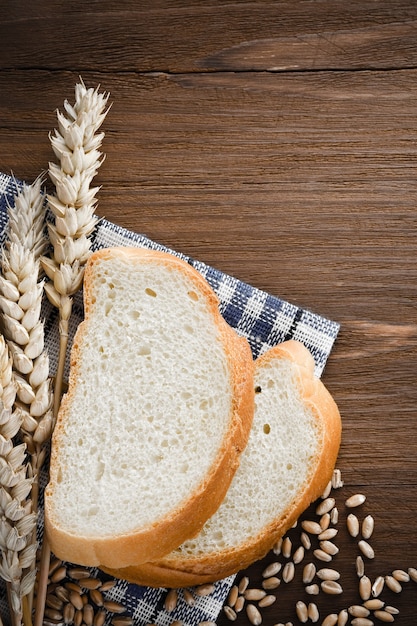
{"points": [[17, 521], [76, 145]]}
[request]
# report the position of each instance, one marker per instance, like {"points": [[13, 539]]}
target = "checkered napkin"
{"points": [[263, 319]]}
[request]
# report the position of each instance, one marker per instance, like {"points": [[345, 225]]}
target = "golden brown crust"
{"points": [[171, 571], [153, 542]]}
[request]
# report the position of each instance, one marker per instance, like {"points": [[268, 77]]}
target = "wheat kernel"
{"points": [[253, 614], [114, 607], [311, 527], [362, 621], [352, 525], [313, 612], [78, 618], [240, 603], [243, 585], [91, 583], [331, 587], [401, 575], [231, 598], [365, 588], [277, 547], [267, 601], [76, 600], [329, 547], [309, 571], [302, 611], [327, 491], [59, 574], [54, 566], [77, 573], [109, 584], [366, 549], [373, 604], [355, 500], [329, 533], [171, 600], [368, 527], [392, 609], [334, 516], [253, 595], [69, 613], [312, 590], [286, 548], [190, 600], [324, 521], [393, 584], [378, 586], [321, 555], [384, 616], [204, 590], [326, 573], [230, 613], [360, 566], [357, 610], [298, 555], [271, 583], [288, 572], [305, 540], [53, 614], [325, 506], [330, 620], [88, 614], [413, 573], [272, 569], [99, 618], [342, 618]]}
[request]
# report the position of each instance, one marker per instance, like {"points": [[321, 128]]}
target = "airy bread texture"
{"points": [[287, 463], [158, 411]]}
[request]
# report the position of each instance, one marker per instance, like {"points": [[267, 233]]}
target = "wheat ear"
{"points": [[17, 521], [20, 304], [76, 145]]}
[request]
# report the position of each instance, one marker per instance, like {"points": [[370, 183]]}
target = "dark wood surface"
{"points": [[276, 141]]}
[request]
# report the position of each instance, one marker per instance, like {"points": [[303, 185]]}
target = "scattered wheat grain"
{"points": [[321, 555], [325, 506], [368, 527], [311, 527], [393, 584], [378, 586], [330, 620], [358, 610], [356, 500], [326, 573], [366, 549], [342, 618], [313, 612], [352, 523], [171, 600], [365, 587], [312, 590], [272, 569], [298, 555], [288, 572], [331, 587], [271, 583], [302, 611], [253, 595], [267, 601], [230, 613], [362, 621], [401, 575], [254, 616], [384, 616]]}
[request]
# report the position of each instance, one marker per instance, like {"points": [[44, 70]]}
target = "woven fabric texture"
{"points": [[263, 319]]}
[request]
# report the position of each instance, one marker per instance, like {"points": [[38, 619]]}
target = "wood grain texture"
{"points": [[277, 142]]}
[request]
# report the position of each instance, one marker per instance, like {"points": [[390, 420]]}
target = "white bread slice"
{"points": [[158, 410], [287, 463]]}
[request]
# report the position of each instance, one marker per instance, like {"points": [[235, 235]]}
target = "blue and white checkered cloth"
{"points": [[263, 319]]}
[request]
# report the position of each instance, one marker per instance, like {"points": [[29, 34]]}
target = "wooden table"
{"points": [[276, 141]]}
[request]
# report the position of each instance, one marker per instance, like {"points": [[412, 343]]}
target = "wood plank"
{"points": [[302, 183], [161, 36]]}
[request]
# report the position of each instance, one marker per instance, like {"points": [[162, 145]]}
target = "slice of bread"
{"points": [[287, 463], [158, 410]]}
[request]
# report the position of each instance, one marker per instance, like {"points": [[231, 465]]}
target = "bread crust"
{"points": [[172, 571], [164, 535]]}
